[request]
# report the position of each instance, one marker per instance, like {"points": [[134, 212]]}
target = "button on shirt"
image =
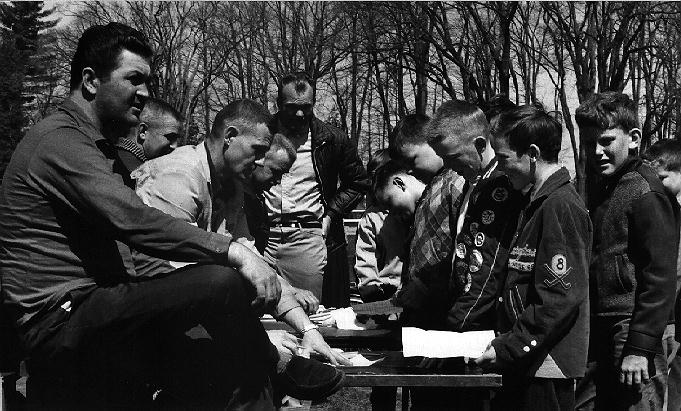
{"points": [[298, 196]]}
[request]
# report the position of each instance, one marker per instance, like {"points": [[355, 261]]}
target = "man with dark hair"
{"points": [[632, 274], [305, 210], [95, 336], [408, 144], [498, 104], [543, 311], [156, 134]]}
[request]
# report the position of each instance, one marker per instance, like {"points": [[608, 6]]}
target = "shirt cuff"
{"points": [[287, 302], [218, 244]]}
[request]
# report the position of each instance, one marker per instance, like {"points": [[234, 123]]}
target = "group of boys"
{"points": [[500, 239]]}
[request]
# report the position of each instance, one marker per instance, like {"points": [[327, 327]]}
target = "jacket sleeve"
{"points": [[653, 233], [354, 181], [73, 170], [558, 287], [366, 263]]}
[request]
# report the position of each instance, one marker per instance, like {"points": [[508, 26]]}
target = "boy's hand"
{"points": [[634, 370], [488, 359]]}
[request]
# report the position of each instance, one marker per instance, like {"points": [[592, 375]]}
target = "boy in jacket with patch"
{"points": [[543, 305], [633, 266]]}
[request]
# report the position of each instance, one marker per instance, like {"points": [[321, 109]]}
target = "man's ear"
{"points": [[635, 134], [142, 132], [229, 134], [534, 152], [90, 80], [480, 144], [397, 181]]}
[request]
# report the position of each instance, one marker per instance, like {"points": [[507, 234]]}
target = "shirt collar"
{"points": [[83, 121], [555, 180]]}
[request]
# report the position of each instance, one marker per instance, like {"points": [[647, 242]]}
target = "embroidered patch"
{"points": [[520, 266], [499, 194], [558, 270], [474, 228], [524, 251], [475, 261], [479, 239], [469, 281], [461, 250], [487, 217]]}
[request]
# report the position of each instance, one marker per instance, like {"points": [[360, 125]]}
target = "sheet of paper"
{"points": [[346, 319], [444, 344]]}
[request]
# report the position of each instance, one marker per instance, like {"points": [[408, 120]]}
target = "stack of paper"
{"points": [[444, 344]]}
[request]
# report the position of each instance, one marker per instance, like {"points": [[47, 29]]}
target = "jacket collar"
{"points": [[554, 182], [631, 163], [81, 119]]}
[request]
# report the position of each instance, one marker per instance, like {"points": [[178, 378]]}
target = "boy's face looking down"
{"points": [[671, 179], [397, 197], [421, 160], [607, 150], [517, 166]]}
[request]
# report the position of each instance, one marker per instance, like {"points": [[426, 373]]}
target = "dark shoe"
{"points": [[307, 379]]}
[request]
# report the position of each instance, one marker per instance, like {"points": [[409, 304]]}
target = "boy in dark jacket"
{"points": [[633, 268], [543, 305]]}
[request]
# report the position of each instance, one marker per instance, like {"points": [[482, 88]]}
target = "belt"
{"points": [[297, 224]]}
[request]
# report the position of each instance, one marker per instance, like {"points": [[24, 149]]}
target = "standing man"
{"points": [[95, 337], [157, 133], [305, 210]]}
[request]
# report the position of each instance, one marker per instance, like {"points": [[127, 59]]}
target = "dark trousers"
{"points": [[536, 394], [119, 344], [600, 389]]}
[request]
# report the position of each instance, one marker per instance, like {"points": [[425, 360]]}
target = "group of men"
{"points": [[135, 270], [581, 297]]}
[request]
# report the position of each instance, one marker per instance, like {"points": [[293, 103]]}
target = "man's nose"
{"points": [[143, 91], [300, 113], [599, 149]]}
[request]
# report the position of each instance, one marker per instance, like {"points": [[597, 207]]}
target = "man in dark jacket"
{"points": [[543, 306], [633, 266], [304, 225]]}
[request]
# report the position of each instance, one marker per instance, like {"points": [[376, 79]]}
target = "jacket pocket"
{"points": [[622, 273]]}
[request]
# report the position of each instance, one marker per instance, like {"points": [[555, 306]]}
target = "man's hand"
{"points": [[634, 370], [488, 359], [314, 341], [326, 225], [307, 300], [285, 342], [259, 274]]}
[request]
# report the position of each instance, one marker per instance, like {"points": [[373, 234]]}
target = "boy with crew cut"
{"points": [[408, 145], [543, 305], [632, 272], [460, 134]]}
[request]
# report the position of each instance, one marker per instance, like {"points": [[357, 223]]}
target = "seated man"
{"points": [[380, 245], [157, 133], [543, 305], [202, 185], [68, 284]]}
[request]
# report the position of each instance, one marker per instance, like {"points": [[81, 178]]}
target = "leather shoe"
{"points": [[307, 379]]}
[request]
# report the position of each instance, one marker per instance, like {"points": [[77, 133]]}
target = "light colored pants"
{"points": [[300, 255]]}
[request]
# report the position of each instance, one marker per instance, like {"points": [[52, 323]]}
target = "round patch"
{"points": [[461, 250], [475, 261], [559, 264], [474, 228], [487, 217], [467, 240], [469, 280], [461, 268], [479, 239], [499, 194]]}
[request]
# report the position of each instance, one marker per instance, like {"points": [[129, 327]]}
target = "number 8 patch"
{"points": [[559, 270]]}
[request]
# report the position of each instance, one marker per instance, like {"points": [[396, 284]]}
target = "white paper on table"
{"points": [[444, 344], [361, 361], [346, 319]]}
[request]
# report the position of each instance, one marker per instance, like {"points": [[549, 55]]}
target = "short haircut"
{"points": [[527, 125], [381, 179], [281, 143], [498, 104], [154, 108], [100, 46], [665, 154], [608, 110], [243, 113], [409, 130], [379, 159], [300, 80], [459, 119]]}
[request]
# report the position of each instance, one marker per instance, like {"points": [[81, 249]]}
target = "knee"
{"points": [[226, 284]]}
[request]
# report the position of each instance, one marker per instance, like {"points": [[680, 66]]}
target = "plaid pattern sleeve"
{"points": [[434, 223]]}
